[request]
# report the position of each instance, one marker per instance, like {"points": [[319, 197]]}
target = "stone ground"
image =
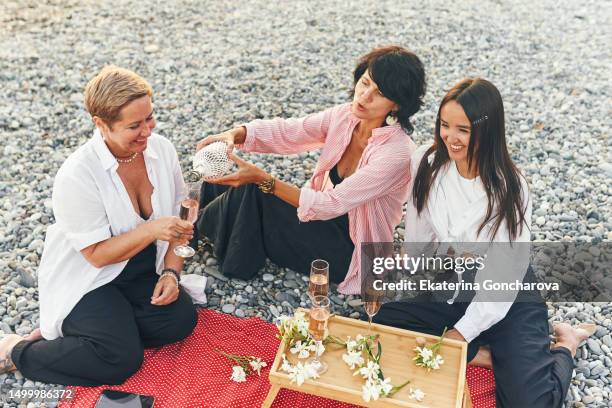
{"points": [[215, 64]]}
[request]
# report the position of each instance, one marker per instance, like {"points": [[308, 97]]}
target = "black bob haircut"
{"points": [[400, 77]]}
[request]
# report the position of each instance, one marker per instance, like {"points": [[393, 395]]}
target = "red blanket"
{"points": [[191, 374]]}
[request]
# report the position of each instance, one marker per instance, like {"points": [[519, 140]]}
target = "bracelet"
{"points": [[267, 186], [174, 271], [170, 274]]}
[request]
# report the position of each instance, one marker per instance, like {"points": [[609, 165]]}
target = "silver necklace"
{"points": [[126, 161]]}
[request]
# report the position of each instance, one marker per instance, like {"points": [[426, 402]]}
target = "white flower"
{"points": [[301, 349], [302, 327], [311, 369], [238, 374], [257, 365], [282, 319], [353, 359], [425, 353], [297, 374], [318, 348], [300, 323], [369, 372], [436, 362], [302, 372], [351, 346], [286, 366], [416, 394], [370, 390], [386, 386]]}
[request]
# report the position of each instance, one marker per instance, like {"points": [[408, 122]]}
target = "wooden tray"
{"points": [[443, 388]]}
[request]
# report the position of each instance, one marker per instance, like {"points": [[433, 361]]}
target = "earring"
{"points": [[391, 119]]}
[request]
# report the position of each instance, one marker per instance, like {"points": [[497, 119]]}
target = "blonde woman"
{"points": [[108, 278]]}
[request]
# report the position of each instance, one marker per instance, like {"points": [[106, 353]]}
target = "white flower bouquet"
{"points": [[360, 356], [293, 332], [429, 356]]}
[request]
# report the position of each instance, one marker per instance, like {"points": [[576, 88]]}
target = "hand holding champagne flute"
{"points": [[189, 212], [317, 327], [319, 278]]}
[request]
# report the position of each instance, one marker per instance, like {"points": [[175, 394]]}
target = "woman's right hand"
{"points": [[171, 229], [236, 135]]}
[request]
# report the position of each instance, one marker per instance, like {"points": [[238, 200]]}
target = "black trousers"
{"points": [[247, 226], [106, 332], [528, 374]]}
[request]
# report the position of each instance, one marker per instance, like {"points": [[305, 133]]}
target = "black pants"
{"points": [[106, 332], [528, 374], [247, 226]]}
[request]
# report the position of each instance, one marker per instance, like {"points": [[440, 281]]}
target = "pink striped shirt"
{"points": [[373, 196]]}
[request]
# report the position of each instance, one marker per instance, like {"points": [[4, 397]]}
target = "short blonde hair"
{"points": [[111, 90]]}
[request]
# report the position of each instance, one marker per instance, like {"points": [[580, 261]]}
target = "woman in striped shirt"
{"points": [[355, 194]]}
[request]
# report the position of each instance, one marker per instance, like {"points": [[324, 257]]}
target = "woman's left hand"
{"points": [[247, 173], [166, 291]]}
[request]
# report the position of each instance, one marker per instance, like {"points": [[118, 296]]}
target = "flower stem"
{"points": [[438, 344], [396, 388], [334, 340], [243, 361]]}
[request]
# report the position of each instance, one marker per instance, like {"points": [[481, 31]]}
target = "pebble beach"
{"points": [[217, 64]]}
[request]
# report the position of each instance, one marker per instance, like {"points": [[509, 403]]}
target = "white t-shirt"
{"points": [[91, 204], [455, 209]]}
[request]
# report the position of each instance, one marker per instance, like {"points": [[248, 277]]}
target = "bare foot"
{"points": [[570, 337], [6, 347], [483, 358], [35, 335]]}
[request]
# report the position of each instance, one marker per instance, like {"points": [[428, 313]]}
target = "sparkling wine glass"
{"points": [[189, 212], [372, 299], [319, 278], [317, 327]]}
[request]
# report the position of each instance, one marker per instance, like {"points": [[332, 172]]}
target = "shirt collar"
{"points": [[379, 134], [106, 157], [385, 131]]}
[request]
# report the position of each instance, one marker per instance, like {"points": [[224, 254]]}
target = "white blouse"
{"points": [[454, 211], [91, 204]]}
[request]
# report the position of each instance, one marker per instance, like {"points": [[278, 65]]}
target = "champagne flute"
{"points": [[317, 327], [189, 212], [319, 278], [372, 299]]}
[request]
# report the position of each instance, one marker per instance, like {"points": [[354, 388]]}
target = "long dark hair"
{"points": [[400, 77], [484, 108]]}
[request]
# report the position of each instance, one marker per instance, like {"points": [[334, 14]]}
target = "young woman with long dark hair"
{"points": [[467, 190]]}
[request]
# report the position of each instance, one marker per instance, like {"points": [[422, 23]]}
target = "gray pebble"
{"points": [[228, 308], [214, 272], [594, 346]]}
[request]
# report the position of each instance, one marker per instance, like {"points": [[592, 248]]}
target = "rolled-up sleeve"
{"points": [[288, 136], [387, 172], [78, 209]]}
